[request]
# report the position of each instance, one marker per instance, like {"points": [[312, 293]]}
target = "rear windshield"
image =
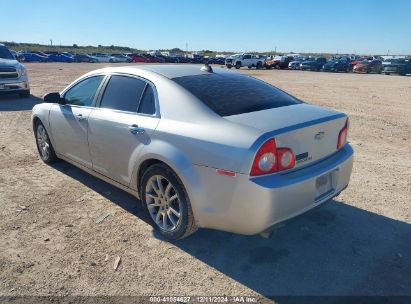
{"points": [[232, 94]]}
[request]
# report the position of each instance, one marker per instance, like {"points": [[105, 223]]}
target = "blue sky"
{"points": [[363, 26]]}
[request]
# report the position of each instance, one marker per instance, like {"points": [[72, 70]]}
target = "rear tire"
{"points": [[163, 197], [229, 66], [238, 65], [259, 65]]}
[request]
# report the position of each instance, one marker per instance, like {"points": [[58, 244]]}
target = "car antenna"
{"points": [[206, 67]]}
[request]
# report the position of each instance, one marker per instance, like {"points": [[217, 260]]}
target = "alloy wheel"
{"points": [[163, 203], [43, 142]]}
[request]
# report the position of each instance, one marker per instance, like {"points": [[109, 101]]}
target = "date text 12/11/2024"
{"points": [[203, 299]]}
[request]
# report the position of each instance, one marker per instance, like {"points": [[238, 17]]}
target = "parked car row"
{"points": [[356, 64], [366, 64]]}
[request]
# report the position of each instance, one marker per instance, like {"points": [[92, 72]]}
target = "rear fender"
{"points": [[177, 161]]}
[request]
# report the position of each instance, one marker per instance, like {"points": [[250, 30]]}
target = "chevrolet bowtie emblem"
{"points": [[319, 135]]}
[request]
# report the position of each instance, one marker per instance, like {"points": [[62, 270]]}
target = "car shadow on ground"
{"points": [[336, 249], [12, 102]]}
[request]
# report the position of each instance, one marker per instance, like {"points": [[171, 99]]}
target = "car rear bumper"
{"points": [[253, 205], [14, 85]]}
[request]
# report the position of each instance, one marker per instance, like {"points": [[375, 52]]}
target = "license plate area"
{"points": [[325, 185]]}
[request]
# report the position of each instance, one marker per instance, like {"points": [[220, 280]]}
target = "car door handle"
{"points": [[80, 117], [134, 129]]}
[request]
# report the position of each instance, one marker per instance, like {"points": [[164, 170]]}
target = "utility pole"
{"points": [[186, 49], [51, 42], [275, 50]]}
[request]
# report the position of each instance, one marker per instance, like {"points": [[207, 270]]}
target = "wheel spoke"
{"points": [[149, 195], [165, 221], [154, 205], [168, 189], [160, 185], [158, 217], [175, 196], [177, 214], [155, 187], [170, 217]]}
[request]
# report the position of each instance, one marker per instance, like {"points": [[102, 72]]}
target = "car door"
{"points": [[247, 60], [69, 122], [121, 126]]}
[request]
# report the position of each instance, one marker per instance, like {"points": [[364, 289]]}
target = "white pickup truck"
{"points": [[245, 60], [13, 75]]}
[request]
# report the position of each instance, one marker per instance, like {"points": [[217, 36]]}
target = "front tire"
{"points": [[238, 65], [44, 146], [166, 202]]}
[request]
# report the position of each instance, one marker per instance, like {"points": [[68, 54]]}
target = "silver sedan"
{"points": [[199, 147]]}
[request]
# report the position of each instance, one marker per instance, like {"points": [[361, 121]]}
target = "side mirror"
{"points": [[54, 98]]}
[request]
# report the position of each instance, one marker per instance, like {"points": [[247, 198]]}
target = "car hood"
{"points": [[9, 62]]}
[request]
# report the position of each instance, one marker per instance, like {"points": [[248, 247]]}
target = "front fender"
{"points": [[42, 112]]}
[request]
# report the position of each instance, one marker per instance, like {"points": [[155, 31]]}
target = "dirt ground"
{"points": [[358, 244]]}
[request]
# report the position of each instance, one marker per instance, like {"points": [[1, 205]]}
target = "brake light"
{"points": [[286, 159], [269, 159], [343, 135]]}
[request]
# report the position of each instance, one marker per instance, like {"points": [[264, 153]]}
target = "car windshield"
{"points": [[5, 53], [233, 94]]}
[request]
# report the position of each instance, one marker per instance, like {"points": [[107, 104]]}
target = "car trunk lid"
{"points": [[310, 131]]}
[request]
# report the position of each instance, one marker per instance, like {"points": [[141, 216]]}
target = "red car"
{"points": [[153, 59], [357, 61], [138, 58]]}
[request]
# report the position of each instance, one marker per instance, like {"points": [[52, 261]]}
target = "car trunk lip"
{"points": [[295, 127], [291, 128]]}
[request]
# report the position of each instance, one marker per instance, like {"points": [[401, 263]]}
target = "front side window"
{"points": [[123, 93], [83, 93]]}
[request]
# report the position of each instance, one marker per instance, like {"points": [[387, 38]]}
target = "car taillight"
{"points": [[286, 159], [343, 135], [269, 159]]}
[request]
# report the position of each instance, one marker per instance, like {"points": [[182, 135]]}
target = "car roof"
{"points": [[175, 70]]}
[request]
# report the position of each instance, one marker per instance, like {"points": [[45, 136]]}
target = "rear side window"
{"points": [[123, 93], [147, 104], [231, 94]]}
